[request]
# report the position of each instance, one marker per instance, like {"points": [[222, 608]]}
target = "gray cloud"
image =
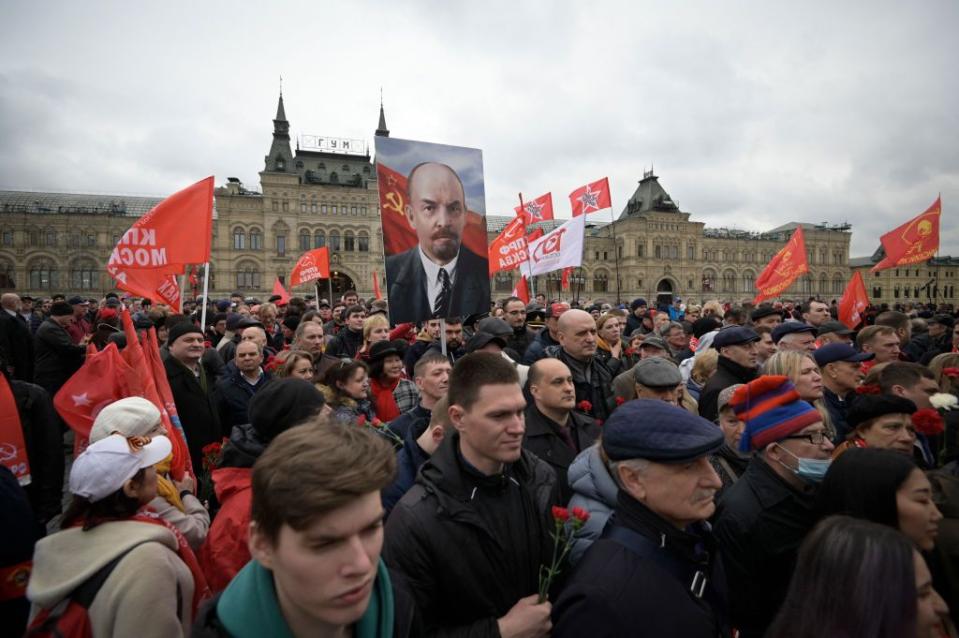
{"points": [[755, 113]]}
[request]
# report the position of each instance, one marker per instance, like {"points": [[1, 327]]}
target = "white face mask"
{"points": [[810, 470]]}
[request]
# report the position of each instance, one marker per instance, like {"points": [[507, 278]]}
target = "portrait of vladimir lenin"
{"points": [[439, 277]]}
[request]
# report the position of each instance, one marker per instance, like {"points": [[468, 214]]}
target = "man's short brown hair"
{"points": [[871, 332], [903, 373], [315, 468], [474, 371]]}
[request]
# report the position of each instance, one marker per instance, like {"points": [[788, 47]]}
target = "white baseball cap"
{"points": [[106, 465]]}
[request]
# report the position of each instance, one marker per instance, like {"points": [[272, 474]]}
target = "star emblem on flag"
{"points": [[81, 400], [589, 199], [535, 211]]}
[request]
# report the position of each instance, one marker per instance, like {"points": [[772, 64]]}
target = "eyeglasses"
{"points": [[516, 312], [814, 438]]}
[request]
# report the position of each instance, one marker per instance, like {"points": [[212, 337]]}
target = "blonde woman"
{"points": [[297, 364], [804, 372], [376, 328], [704, 366], [609, 344]]}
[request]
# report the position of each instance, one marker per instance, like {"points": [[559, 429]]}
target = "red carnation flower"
{"points": [[928, 421], [560, 514], [620, 400], [585, 406], [869, 389], [952, 373], [361, 420], [580, 514]]}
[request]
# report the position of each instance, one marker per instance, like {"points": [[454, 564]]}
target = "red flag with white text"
{"points": [[591, 198], [536, 210], [853, 302], [313, 264], [914, 242], [152, 284], [509, 248], [788, 265], [13, 448]]}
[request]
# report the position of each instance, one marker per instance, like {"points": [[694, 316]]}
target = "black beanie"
{"points": [[181, 328], [866, 407], [281, 404]]}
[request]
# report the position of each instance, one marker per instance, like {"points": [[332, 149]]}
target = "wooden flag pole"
{"points": [[529, 266], [206, 292]]}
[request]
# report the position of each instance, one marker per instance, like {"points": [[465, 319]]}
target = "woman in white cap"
{"points": [[175, 502], [149, 582]]}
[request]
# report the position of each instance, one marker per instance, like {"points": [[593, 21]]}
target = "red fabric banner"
{"points": [[521, 290], [152, 284], [914, 242], [398, 235], [509, 248], [564, 283], [278, 289], [101, 380], [376, 286], [313, 264], [536, 210], [591, 198], [13, 449], [181, 453], [853, 302], [787, 266]]}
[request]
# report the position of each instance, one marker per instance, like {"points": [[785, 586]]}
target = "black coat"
{"points": [[406, 281], [57, 357], [346, 344], [520, 339], [16, 346], [760, 524], [195, 407], [598, 391], [233, 396], [462, 573], [728, 373], [617, 592], [43, 438], [542, 439]]}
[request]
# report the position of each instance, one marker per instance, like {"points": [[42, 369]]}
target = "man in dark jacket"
{"points": [[841, 368], [737, 364], [192, 386], [16, 339], [592, 377], [514, 312], [637, 311], [764, 516], [431, 374], [57, 357], [554, 431], [655, 570], [349, 340], [547, 337], [419, 444], [242, 380], [471, 535]]}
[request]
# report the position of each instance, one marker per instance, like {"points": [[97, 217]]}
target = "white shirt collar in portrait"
{"points": [[432, 269]]}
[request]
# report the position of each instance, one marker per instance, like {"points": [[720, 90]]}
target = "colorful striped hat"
{"points": [[772, 410]]}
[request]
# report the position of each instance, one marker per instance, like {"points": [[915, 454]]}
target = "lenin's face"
{"points": [[437, 211]]}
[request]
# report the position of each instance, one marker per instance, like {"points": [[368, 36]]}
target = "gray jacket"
{"points": [[595, 491]]}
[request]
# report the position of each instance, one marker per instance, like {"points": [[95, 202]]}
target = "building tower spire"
{"points": [[381, 130], [280, 158]]}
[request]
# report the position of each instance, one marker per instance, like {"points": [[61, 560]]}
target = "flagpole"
{"points": [[529, 266], [331, 293], [182, 300], [316, 288], [206, 291], [612, 225]]}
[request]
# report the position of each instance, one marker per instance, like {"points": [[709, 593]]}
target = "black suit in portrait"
{"points": [[406, 281]]}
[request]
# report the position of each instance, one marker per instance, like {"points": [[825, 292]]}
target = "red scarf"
{"points": [[384, 403]]}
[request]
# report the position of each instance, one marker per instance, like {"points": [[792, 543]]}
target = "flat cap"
{"points": [[944, 320], [866, 407], [653, 341], [658, 431], [833, 327], [734, 336], [764, 311], [76, 301], [832, 352], [657, 372], [482, 339], [790, 327], [494, 326]]}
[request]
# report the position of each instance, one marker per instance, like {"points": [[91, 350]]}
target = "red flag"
{"points": [[171, 420], [153, 284], [533, 236], [788, 264], [591, 198], [101, 380], [398, 235], [313, 264], [509, 248], [536, 210], [565, 281], [853, 302], [176, 232], [915, 241], [13, 449], [278, 289], [376, 286], [521, 290]]}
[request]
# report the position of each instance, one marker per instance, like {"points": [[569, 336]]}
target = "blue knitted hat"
{"points": [[772, 410]]}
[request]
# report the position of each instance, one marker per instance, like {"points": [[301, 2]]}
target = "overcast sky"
{"points": [[754, 113]]}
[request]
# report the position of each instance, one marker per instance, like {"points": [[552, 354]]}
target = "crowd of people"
{"points": [[549, 468]]}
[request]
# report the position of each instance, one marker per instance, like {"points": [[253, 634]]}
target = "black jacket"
{"points": [[345, 344], [16, 346], [43, 439], [233, 396], [760, 523], [406, 281], [57, 357], [537, 347], [728, 373], [598, 390], [464, 571], [543, 439], [521, 338], [195, 406], [836, 406], [617, 592]]}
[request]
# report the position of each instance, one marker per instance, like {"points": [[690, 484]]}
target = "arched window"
{"points": [[503, 282], [709, 280], [823, 283], [247, 276], [84, 275], [73, 240], [334, 240], [256, 239], [837, 284], [749, 281], [6, 275], [657, 252], [304, 240], [729, 281], [600, 281], [6, 237], [363, 242], [43, 274], [349, 241], [319, 239], [239, 239]]}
